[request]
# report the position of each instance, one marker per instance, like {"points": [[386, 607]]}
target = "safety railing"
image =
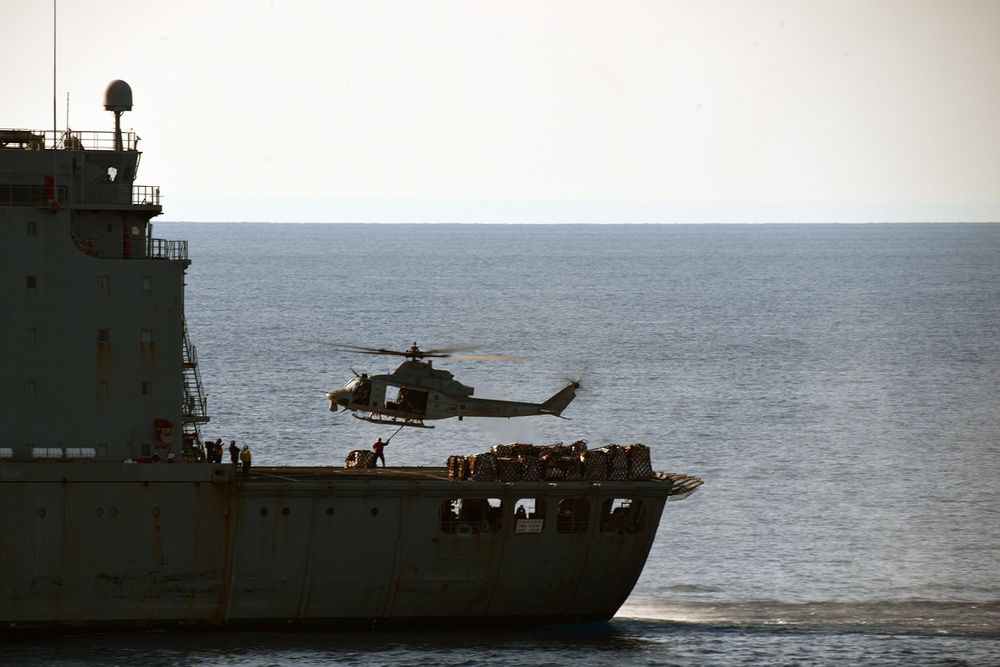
{"points": [[67, 140], [29, 195], [70, 140], [145, 195], [41, 195], [166, 249]]}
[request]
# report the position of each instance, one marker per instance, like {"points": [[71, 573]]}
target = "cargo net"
{"points": [[518, 462], [360, 458]]}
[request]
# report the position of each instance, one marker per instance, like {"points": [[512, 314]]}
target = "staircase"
{"points": [[195, 410]]}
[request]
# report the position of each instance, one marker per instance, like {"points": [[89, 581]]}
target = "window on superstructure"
{"points": [[529, 515], [471, 516], [32, 228], [147, 388], [572, 515], [31, 282], [30, 388], [104, 283], [147, 283], [31, 335], [104, 335], [622, 515], [145, 335]]}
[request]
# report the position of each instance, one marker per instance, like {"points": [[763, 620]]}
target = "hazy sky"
{"points": [[542, 111]]}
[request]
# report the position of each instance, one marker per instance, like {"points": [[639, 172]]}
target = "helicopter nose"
{"points": [[338, 397]]}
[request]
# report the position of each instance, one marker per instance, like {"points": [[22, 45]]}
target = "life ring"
{"points": [[85, 246]]}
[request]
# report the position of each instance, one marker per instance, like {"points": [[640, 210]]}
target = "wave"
{"points": [[913, 616]]}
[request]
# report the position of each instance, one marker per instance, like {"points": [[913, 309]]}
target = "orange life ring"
{"points": [[85, 246]]}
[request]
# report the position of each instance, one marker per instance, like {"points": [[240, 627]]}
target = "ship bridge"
{"points": [[93, 174]]}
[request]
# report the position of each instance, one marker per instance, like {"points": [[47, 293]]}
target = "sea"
{"points": [[837, 388]]}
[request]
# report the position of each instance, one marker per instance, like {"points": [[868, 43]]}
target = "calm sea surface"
{"points": [[836, 386]]}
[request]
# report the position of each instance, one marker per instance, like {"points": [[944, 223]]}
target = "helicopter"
{"points": [[416, 391]]}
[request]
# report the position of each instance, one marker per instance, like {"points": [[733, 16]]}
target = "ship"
{"points": [[112, 517]]}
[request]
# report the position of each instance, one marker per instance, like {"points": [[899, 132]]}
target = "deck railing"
{"points": [[145, 195], [67, 140], [70, 140], [166, 249]]}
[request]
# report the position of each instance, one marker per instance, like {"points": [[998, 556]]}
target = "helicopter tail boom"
{"points": [[559, 400]]}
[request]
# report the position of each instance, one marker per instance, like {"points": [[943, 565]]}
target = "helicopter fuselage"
{"points": [[416, 391]]}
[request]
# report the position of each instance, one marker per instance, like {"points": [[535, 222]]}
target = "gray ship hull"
{"points": [[190, 546]]}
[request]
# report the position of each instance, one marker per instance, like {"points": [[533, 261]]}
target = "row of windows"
{"points": [[103, 282], [485, 516], [103, 388], [103, 335], [32, 226]]}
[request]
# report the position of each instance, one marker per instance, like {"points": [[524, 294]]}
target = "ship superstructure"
{"points": [[110, 517], [96, 360]]}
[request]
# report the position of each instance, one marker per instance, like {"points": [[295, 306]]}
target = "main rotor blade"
{"points": [[436, 353], [488, 357], [357, 348]]}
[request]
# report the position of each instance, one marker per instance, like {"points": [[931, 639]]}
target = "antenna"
{"points": [[55, 130]]}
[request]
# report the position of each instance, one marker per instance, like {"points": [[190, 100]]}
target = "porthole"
{"points": [[263, 511], [286, 511]]}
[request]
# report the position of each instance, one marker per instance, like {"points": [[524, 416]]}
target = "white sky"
{"points": [[541, 111]]}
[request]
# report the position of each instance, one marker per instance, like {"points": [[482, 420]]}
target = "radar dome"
{"points": [[118, 96]]}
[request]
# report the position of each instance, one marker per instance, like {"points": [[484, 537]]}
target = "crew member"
{"points": [[378, 447], [245, 458], [234, 455]]}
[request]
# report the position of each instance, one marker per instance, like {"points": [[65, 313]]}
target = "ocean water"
{"points": [[836, 386]]}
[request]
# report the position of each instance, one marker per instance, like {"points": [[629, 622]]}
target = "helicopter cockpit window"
{"points": [[529, 517], [471, 516], [622, 515], [362, 391], [572, 515]]}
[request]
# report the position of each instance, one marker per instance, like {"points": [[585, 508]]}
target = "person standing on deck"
{"points": [[234, 455], [378, 447], [245, 458]]}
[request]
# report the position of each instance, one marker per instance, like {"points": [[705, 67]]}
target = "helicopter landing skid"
{"points": [[391, 422]]}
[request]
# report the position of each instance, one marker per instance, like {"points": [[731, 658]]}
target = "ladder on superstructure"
{"points": [[195, 411]]}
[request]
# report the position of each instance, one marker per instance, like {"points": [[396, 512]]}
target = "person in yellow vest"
{"points": [[245, 460]]}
